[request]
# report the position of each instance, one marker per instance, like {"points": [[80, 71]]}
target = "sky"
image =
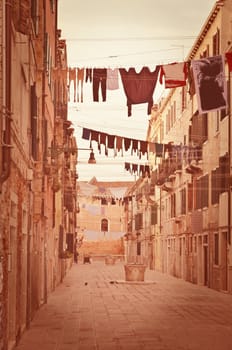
{"points": [[115, 34]]}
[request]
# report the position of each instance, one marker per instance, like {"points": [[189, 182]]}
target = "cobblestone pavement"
{"points": [[90, 311]]}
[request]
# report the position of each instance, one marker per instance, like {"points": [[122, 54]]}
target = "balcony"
{"points": [[195, 167], [167, 186]]}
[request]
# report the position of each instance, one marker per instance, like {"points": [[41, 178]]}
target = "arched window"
{"points": [[104, 225]]}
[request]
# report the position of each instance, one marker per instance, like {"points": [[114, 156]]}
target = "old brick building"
{"points": [[191, 234], [101, 222], [37, 162]]}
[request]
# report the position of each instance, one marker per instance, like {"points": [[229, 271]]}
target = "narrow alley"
{"points": [[94, 308]]}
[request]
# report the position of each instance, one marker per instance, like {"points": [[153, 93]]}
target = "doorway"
{"points": [[224, 270], [205, 267]]}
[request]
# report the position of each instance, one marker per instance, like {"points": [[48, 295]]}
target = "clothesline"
{"points": [[202, 75], [141, 147], [137, 169]]}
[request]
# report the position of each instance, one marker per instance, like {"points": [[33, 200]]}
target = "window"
{"points": [[198, 131], [52, 4], [195, 244], [224, 173], [190, 196], [224, 112], [34, 121], [217, 121], [104, 225], [190, 244], [154, 215], [183, 98], [22, 11], [216, 249], [202, 192], [138, 221], [69, 242], [216, 43], [173, 205], [138, 248], [215, 186], [168, 122], [183, 200], [35, 15], [61, 239], [205, 53]]}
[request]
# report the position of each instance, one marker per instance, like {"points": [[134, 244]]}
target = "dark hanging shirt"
{"points": [[139, 87]]}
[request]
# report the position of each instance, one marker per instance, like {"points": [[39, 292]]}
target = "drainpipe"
{"points": [[229, 155], [6, 146], [44, 150]]}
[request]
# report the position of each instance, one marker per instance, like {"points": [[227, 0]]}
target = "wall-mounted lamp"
{"points": [[92, 159], [57, 150]]}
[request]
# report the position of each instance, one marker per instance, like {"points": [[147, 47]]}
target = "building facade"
{"points": [[101, 222], [192, 237], [37, 162]]}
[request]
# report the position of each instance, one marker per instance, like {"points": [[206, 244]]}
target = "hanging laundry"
{"points": [[139, 87], [127, 143], [143, 147], [135, 146], [103, 141], [112, 79], [175, 74], [127, 166], [80, 82], [111, 140], [94, 137], [119, 146], [141, 169], [210, 83], [147, 170], [86, 134], [135, 169], [72, 77], [159, 147], [88, 74], [99, 81]]}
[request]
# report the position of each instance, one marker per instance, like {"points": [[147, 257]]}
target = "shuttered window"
{"points": [[173, 205], [202, 192], [138, 221], [215, 186], [34, 122], [224, 173], [198, 132], [154, 215], [216, 43], [190, 197], [183, 200]]}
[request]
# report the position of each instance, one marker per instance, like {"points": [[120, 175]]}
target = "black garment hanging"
{"points": [[139, 87], [88, 74], [135, 144], [127, 143], [99, 81], [127, 166], [86, 134]]}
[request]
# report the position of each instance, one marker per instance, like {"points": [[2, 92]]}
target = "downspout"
{"points": [[229, 155], [44, 145], [6, 137]]}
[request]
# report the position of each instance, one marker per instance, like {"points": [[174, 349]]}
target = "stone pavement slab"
{"points": [[89, 312]]}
